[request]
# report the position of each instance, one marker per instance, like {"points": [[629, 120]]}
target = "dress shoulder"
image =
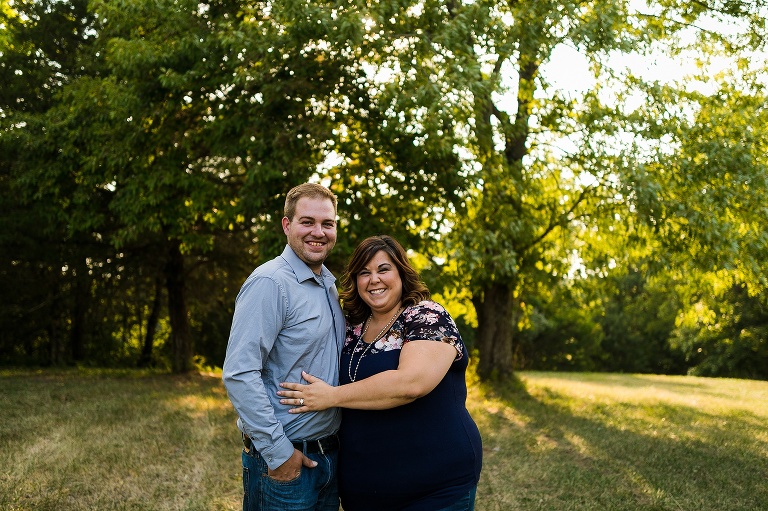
{"points": [[429, 321]]}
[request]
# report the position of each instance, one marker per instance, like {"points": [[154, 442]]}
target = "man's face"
{"points": [[312, 232]]}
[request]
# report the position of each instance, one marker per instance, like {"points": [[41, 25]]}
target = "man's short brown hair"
{"points": [[312, 190]]}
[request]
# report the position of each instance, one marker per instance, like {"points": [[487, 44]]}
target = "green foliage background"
{"points": [[146, 147]]}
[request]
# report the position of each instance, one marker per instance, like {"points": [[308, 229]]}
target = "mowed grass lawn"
{"points": [[129, 440]]}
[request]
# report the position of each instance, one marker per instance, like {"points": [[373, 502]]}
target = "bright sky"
{"points": [[568, 69]]}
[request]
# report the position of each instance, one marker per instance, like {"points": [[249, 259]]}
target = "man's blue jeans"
{"points": [[316, 489]]}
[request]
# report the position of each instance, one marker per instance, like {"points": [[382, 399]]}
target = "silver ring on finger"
{"points": [[301, 402]]}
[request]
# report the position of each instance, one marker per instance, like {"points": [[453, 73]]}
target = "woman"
{"points": [[407, 439]]}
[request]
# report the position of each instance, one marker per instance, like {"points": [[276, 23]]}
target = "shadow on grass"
{"points": [[544, 450]]}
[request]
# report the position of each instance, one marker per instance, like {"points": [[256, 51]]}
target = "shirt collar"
{"points": [[300, 268]]}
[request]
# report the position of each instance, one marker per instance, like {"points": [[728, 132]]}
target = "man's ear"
{"points": [[286, 223]]}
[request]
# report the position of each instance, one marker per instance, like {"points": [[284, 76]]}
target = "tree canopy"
{"points": [[146, 149]]}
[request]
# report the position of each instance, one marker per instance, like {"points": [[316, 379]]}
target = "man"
{"points": [[287, 320]]}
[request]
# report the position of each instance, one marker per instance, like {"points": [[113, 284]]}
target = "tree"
{"points": [[724, 330], [171, 136], [155, 143], [711, 214], [44, 316], [450, 62]]}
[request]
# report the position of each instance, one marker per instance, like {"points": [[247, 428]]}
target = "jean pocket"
{"points": [[293, 481]]}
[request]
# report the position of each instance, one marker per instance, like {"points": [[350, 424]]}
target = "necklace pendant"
{"points": [[353, 375]]}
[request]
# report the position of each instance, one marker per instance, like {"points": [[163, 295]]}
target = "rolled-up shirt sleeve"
{"points": [[259, 316]]}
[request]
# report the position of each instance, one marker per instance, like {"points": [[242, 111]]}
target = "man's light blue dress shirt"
{"points": [[287, 320]]}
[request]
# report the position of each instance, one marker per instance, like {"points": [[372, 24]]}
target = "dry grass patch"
{"points": [[85, 441], [128, 440]]}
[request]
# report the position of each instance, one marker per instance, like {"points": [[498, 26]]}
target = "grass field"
{"points": [[128, 440]]}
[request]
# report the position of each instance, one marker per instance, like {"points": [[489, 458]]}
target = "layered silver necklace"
{"points": [[383, 331]]}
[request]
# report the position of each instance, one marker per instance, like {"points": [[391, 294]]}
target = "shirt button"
{"points": [[269, 458]]}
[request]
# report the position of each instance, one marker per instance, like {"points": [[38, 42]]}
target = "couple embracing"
{"points": [[363, 405]]}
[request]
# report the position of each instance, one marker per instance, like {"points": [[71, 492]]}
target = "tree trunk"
{"points": [[81, 288], [154, 316], [56, 335], [495, 319], [181, 336]]}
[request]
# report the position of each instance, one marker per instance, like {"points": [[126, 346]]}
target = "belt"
{"points": [[321, 445]]}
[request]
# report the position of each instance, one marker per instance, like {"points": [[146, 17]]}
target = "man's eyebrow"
{"points": [[307, 217]]}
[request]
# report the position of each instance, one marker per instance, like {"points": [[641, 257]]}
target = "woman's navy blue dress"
{"points": [[421, 456]]}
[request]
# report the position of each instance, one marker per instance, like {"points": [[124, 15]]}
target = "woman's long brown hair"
{"points": [[414, 289]]}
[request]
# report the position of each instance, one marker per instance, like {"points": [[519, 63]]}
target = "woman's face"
{"points": [[379, 284]]}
